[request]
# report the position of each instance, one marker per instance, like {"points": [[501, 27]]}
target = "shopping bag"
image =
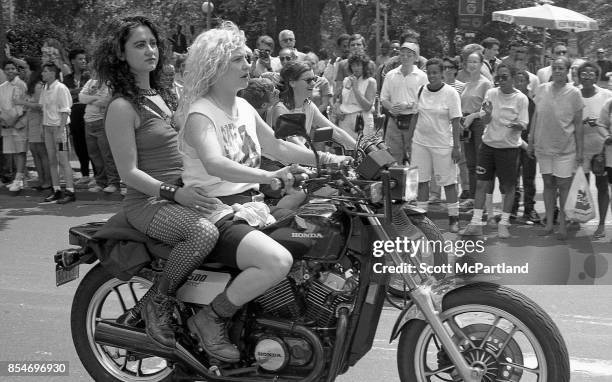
{"points": [[579, 205]]}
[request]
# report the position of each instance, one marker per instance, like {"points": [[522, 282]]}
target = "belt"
{"points": [[243, 197]]}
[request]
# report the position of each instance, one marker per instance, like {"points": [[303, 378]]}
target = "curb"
{"points": [[81, 194]]}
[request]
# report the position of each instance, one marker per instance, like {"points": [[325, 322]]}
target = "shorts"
{"points": [[58, 133], [502, 163], [231, 233], [561, 166], [12, 144], [437, 158]]}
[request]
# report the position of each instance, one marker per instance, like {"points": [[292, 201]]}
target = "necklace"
{"points": [[147, 92]]}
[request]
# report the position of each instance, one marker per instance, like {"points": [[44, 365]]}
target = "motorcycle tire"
{"points": [[87, 305], [506, 307], [432, 233]]}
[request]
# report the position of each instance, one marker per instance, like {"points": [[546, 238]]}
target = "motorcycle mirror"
{"points": [[288, 125], [322, 134]]}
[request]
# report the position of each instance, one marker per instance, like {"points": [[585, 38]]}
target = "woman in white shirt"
{"points": [[595, 134], [221, 139], [358, 95]]}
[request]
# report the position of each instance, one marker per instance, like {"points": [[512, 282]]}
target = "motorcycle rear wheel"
{"points": [[438, 257], [100, 296], [503, 331]]}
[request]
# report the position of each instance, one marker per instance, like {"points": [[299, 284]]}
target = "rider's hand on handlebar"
{"points": [[287, 175], [194, 197]]}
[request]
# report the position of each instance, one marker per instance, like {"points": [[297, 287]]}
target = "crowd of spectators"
{"points": [[464, 120]]}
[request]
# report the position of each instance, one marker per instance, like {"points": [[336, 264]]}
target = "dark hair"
{"points": [[35, 79], [34, 63], [75, 52], [291, 72], [522, 73], [386, 44], [257, 92], [9, 62], [489, 42], [52, 67], [266, 40], [435, 62], [115, 73], [452, 61], [363, 60], [511, 68], [589, 64], [343, 37], [410, 35]]}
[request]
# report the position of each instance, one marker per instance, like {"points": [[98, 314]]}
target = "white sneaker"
{"points": [[17, 185], [111, 188], [95, 188], [82, 180]]}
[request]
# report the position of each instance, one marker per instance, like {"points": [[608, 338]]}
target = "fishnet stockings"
{"points": [[192, 236]]}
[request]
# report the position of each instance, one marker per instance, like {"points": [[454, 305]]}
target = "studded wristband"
{"points": [[167, 191]]}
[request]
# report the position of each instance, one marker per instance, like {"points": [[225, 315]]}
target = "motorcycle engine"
{"points": [[274, 353], [314, 297]]}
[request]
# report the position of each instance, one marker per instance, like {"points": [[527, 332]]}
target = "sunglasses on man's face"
{"points": [[502, 77], [285, 58], [588, 76], [561, 52]]}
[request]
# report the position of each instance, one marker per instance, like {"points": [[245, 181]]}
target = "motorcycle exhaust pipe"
{"points": [[137, 340]]}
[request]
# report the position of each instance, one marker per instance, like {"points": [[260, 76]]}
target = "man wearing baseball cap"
{"points": [[606, 67], [399, 95]]}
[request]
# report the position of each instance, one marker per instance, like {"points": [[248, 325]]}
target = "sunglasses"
{"points": [[285, 58], [587, 76], [310, 80], [561, 52], [503, 77]]}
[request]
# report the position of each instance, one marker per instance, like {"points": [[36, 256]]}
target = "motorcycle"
{"points": [[322, 318]]}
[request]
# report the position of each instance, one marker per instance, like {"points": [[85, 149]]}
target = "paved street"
{"points": [[35, 314]]}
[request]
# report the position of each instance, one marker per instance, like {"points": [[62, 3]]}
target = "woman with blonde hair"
{"points": [[222, 138]]}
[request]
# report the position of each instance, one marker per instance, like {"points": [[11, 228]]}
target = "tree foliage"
{"points": [[316, 23]]}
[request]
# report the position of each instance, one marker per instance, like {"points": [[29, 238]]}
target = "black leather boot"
{"points": [[210, 328], [158, 314]]}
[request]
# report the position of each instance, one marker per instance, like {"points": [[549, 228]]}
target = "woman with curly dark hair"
{"points": [[144, 144], [358, 94]]}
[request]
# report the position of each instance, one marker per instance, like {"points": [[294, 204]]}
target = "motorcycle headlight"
{"points": [[406, 183]]}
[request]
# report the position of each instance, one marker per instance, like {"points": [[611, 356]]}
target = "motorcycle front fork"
{"points": [[422, 296]]}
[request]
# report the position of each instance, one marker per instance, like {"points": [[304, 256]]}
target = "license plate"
{"points": [[65, 275]]}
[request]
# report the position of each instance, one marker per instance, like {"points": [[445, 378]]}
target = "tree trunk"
{"points": [[303, 17], [3, 28]]}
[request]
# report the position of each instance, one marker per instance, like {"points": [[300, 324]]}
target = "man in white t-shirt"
{"points": [[399, 95], [56, 102], [435, 142]]}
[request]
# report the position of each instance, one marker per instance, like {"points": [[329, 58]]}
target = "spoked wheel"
{"points": [[99, 297], [437, 256], [497, 329]]}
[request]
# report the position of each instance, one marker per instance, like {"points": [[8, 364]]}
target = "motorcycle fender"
{"points": [[411, 210], [438, 290]]}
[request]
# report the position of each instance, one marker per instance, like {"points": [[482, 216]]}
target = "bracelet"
{"points": [[167, 191]]}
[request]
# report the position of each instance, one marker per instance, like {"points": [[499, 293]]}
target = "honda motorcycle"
{"points": [[322, 318]]}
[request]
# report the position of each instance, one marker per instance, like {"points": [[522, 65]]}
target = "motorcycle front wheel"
{"points": [[497, 329], [99, 297]]}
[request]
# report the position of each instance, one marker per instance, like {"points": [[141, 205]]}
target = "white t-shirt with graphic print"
{"points": [[237, 138]]}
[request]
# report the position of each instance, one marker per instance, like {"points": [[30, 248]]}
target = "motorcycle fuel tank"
{"points": [[316, 231], [203, 286]]}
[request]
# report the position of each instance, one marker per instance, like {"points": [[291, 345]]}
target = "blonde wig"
{"points": [[208, 59]]}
